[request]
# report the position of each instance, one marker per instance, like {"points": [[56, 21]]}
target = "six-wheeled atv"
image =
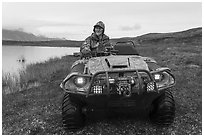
{"points": [[118, 78]]}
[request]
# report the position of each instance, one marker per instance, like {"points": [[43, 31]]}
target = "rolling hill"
{"points": [[18, 35], [193, 34]]}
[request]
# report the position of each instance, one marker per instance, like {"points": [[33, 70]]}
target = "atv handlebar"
{"points": [[109, 51]]}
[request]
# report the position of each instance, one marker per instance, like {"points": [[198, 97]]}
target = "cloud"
{"points": [[130, 28], [58, 22]]}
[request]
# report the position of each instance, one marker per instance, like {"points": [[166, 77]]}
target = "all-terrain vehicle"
{"points": [[118, 78]]}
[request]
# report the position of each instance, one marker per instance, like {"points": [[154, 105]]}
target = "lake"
{"points": [[17, 57]]}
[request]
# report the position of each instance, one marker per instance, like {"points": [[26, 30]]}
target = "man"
{"points": [[97, 41]]}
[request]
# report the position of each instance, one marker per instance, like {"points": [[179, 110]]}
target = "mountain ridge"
{"points": [[19, 35]]}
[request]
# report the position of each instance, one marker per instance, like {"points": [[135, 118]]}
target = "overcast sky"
{"points": [[75, 20]]}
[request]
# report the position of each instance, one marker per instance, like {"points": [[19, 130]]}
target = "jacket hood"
{"points": [[110, 63]]}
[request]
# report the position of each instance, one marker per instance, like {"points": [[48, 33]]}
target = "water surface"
{"points": [[17, 57]]}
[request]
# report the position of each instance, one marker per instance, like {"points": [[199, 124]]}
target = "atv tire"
{"points": [[72, 115], [163, 109]]}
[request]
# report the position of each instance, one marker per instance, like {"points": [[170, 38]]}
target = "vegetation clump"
{"points": [[35, 74]]}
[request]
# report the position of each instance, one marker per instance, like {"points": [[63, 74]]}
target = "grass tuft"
{"points": [[10, 83], [36, 74]]}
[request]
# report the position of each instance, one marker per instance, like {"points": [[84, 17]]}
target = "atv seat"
{"points": [[126, 49]]}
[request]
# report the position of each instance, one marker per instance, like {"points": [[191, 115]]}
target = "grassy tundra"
{"points": [[38, 110]]}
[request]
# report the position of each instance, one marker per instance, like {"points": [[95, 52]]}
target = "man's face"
{"points": [[98, 30]]}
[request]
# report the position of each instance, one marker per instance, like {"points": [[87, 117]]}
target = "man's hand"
{"points": [[86, 50], [96, 45]]}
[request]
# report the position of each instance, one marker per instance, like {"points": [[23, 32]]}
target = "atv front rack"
{"points": [[121, 82]]}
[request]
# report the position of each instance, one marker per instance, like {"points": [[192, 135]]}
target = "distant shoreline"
{"points": [[55, 43], [182, 36]]}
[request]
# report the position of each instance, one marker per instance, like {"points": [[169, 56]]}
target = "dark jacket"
{"points": [[91, 43]]}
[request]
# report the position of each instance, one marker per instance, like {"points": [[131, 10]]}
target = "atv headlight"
{"points": [[77, 83], [158, 77], [163, 79], [80, 81]]}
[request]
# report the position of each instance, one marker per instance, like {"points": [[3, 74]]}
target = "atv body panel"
{"points": [[117, 81]]}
